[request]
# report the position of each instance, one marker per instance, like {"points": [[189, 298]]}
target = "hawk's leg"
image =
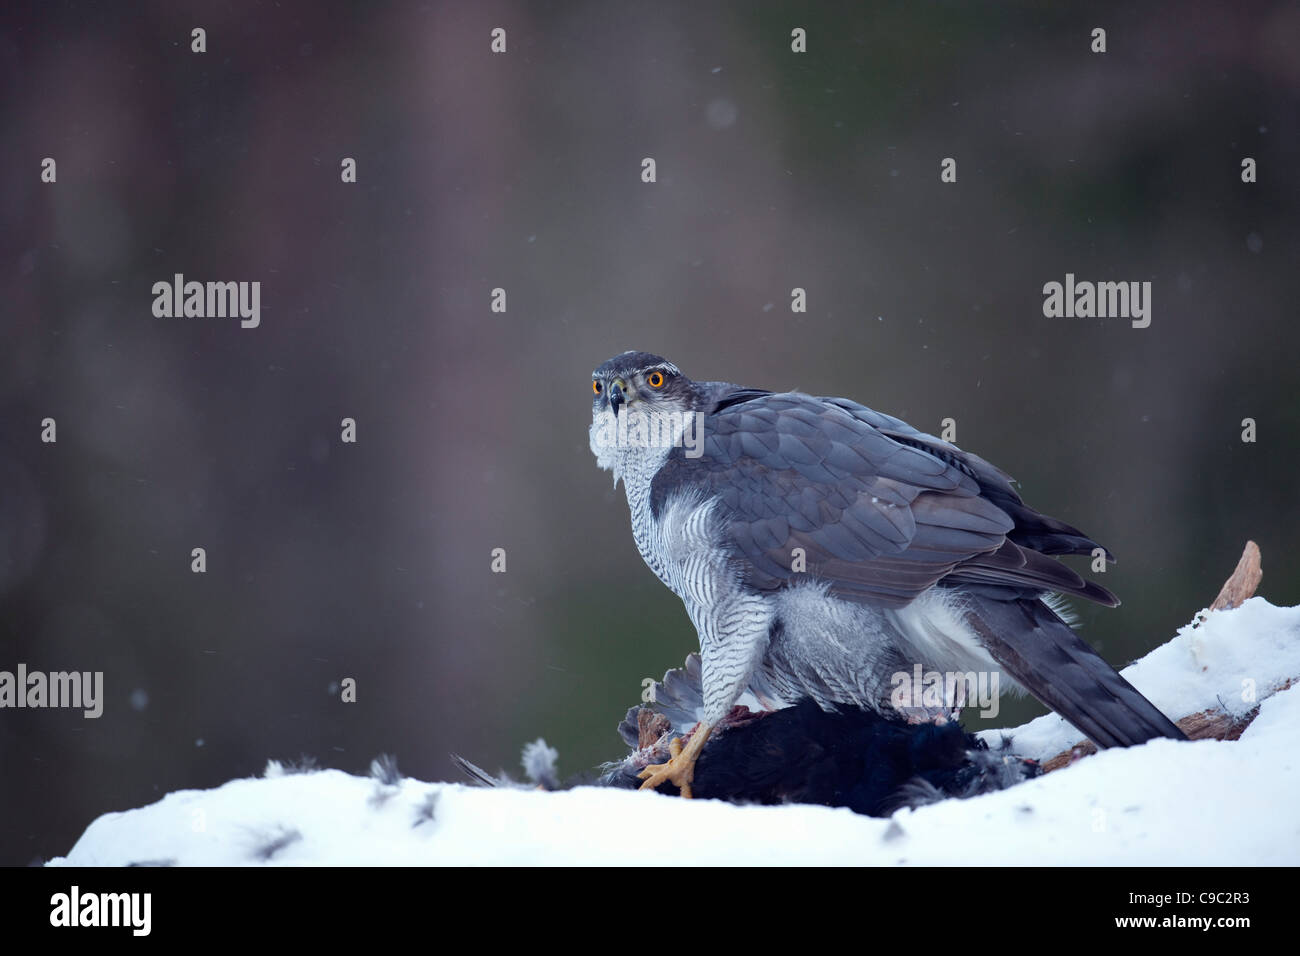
{"points": [[717, 607], [680, 768]]}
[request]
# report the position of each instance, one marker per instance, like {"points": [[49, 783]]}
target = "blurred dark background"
{"points": [[522, 171]]}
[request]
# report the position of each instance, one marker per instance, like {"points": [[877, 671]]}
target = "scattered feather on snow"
{"points": [[383, 770], [539, 764]]}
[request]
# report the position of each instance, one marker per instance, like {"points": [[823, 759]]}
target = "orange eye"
{"points": [[595, 387], [656, 379]]}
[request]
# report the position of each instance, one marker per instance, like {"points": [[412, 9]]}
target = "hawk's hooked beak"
{"points": [[616, 395]]}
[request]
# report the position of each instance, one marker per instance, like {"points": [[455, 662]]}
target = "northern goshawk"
{"points": [[822, 548]]}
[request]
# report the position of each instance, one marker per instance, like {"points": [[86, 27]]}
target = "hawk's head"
{"points": [[641, 407]]}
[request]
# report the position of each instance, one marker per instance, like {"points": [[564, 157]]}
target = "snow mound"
{"points": [[1164, 803]]}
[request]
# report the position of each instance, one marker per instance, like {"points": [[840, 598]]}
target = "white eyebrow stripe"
{"points": [[664, 367]]}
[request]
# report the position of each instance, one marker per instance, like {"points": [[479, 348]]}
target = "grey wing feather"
{"points": [[1033, 530], [882, 512]]}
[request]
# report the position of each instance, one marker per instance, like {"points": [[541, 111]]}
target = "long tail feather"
{"points": [[1054, 664]]}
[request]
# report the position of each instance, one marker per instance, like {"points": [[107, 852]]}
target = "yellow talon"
{"points": [[680, 768]]}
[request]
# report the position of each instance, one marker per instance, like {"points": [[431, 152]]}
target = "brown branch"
{"points": [[1240, 587]]}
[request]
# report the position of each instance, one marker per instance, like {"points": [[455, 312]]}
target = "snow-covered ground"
{"points": [[1205, 802]]}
